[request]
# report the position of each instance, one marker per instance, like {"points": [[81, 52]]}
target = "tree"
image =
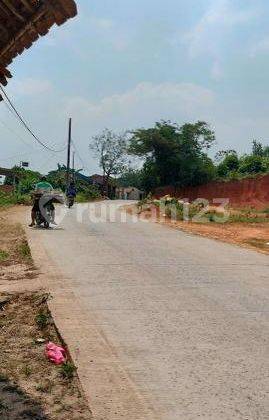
{"points": [[131, 178], [26, 179], [111, 150], [257, 148], [251, 164], [57, 178], [174, 155], [229, 164], [223, 153], [266, 151]]}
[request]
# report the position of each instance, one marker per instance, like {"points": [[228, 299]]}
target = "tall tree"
{"points": [[257, 148], [175, 155], [111, 150]]}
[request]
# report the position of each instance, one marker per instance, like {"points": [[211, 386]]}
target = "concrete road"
{"points": [[181, 321]]}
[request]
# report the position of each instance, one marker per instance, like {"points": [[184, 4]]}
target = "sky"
{"points": [[127, 64]]}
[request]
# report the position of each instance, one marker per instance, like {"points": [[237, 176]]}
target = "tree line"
{"points": [[165, 154], [170, 154]]}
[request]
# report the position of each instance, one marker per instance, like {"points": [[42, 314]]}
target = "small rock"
{"points": [[4, 300], [40, 340]]}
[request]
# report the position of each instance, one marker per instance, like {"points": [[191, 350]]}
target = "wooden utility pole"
{"points": [[73, 162], [73, 168], [68, 153]]}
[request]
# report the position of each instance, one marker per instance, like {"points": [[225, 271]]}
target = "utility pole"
{"points": [[73, 167], [73, 162], [68, 153]]}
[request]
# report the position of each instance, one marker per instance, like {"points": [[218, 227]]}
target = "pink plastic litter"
{"points": [[55, 354]]}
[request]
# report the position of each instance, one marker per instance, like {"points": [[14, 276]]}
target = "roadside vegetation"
{"points": [[162, 155], [179, 156], [16, 261], [27, 179], [200, 211], [10, 199]]}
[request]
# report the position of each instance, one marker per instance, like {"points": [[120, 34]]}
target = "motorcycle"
{"points": [[44, 215], [70, 201]]}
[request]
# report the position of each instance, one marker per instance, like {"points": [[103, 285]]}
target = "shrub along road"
{"points": [[163, 324]]}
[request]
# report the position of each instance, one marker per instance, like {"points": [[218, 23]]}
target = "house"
{"points": [[129, 193], [100, 182]]}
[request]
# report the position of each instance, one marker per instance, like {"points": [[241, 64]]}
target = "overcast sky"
{"points": [[125, 64]]}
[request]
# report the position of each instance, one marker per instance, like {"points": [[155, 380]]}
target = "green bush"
{"points": [[229, 165], [89, 194], [10, 199], [251, 164], [7, 199]]}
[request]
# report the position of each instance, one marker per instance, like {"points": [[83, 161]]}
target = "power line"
{"points": [[79, 156], [16, 134], [18, 115]]}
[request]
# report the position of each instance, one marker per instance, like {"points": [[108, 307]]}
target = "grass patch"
{"points": [[27, 370], [24, 250], [45, 387], [68, 370], [42, 319], [4, 256], [247, 218], [10, 199]]}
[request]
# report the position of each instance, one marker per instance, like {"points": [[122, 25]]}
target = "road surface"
{"points": [[184, 320]]}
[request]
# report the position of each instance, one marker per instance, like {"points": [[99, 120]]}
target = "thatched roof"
{"points": [[23, 21]]}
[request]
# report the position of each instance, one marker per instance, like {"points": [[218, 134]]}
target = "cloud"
{"points": [[101, 23], [216, 70], [30, 87], [260, 47], [220, 16], [144, 104], [208, 35]]}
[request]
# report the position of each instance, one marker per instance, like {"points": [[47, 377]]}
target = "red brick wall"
{"points": [[249, 192]]}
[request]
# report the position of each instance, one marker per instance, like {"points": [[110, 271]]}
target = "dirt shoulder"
{"points": [[16, 264], [249, 235], [31, 387]]}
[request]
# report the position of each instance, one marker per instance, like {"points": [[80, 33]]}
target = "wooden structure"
{"points": [[22, 22]]}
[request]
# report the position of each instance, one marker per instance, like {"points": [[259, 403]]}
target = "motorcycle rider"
{"points": [[71, 191], [41, 187]]}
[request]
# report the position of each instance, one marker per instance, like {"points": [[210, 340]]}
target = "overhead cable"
{"points": [[18, 115]]}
